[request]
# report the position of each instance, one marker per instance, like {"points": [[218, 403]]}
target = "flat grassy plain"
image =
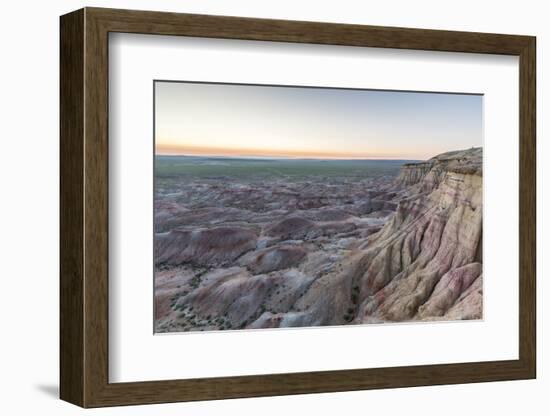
{"points": [[259, 169]]}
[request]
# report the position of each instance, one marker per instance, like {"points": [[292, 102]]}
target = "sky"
{"points": [[211, 119]]}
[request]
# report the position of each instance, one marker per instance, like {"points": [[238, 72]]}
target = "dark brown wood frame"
{"points": [[84, 209]]}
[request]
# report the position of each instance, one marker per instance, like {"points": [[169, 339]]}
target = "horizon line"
{"points": [[280, 157]]}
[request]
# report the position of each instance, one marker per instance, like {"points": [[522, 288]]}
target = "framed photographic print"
{"points": [[255, 207]]}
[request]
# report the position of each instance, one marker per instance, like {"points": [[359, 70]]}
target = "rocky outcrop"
{"points": [[430, 173], [429, 253], [423, 262], [412, 173]]}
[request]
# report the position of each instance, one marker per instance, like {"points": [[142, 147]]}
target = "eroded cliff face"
{"points": [[429, 253], [410, 250]]}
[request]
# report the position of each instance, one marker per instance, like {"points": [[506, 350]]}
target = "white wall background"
{"points": [[29, 206]]}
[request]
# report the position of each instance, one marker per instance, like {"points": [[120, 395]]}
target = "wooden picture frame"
{"points": [[84, 207]]}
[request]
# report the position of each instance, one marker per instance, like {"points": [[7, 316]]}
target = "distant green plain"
{"points": [[259, 169]]}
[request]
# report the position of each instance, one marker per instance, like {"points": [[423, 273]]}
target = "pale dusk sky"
{"points": [[268, 121]]}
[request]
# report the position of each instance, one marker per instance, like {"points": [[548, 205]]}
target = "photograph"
{"points": [[279, 206], [276, 204]]}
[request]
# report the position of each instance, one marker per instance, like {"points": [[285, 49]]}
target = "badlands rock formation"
{"points": [[308, 252]]}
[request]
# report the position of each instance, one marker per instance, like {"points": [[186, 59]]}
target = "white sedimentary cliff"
{"points": [[424, 260]]}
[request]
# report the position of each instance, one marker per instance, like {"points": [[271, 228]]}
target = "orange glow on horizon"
{"points": [[164, 149]]}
